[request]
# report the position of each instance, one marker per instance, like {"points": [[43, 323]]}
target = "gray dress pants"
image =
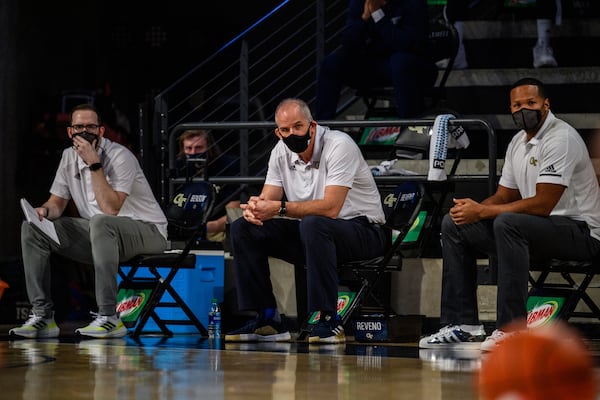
{"points": [[103, 241]]}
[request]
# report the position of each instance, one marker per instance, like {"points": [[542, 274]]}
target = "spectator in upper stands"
{"points": [[547, 205], [319, 180], [383, 44], [199, 156], [458, 11]]}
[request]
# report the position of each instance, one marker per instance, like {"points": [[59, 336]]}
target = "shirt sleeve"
{"points": [[60, 186], [560, 155], [274, 176], [342, 163], [121, 171], [507, 179]]}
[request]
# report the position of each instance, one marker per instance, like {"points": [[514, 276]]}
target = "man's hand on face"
{"points": [[86, 150]]}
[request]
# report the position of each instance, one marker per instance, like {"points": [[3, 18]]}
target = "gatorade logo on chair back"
{"points": [[189, 209]]}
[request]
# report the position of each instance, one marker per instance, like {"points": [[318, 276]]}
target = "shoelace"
{"points": [[98, 319], [442, 332], [33, 319]]}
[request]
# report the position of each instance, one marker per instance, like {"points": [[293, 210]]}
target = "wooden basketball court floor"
{"points": [[193, 367]]}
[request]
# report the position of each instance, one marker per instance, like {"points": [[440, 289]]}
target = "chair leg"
{"points": [[148, 312]]}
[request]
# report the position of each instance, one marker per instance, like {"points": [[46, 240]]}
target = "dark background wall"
{"points": [[123, 51]]}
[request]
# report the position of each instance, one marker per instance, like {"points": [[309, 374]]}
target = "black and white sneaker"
{"points": [[104, 326], [328, 330], [37, 327], [453, 336], [260, 330]]}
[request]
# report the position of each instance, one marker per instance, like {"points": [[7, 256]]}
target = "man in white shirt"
{"points": [[547, 206], [317, 179], [119, 217]]}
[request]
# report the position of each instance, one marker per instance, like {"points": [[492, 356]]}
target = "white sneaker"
{"points": [[455, 337], [104, 326], [37, 327], [543, 56], [495, 339]]}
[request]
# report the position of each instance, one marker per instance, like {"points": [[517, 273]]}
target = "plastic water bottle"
{"points": [[214, 320]]}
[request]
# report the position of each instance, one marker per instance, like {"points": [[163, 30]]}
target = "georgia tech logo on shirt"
{"points": [[533, 161]]}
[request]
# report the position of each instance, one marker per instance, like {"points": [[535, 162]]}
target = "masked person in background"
{"points": [[119, 218], [319, 207], [547, 206], [200, 157]]}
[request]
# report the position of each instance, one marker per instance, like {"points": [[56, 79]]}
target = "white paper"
{"points": [[45, 225]]}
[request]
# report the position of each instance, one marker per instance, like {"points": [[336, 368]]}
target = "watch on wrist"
{"points": [[282, 209], [95, 166]]}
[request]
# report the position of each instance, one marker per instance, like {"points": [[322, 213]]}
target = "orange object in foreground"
{"points": [[550, 362]]}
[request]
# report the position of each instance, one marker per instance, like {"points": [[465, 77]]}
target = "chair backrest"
{"points": [[413, 142], [443, 42], [401, 207], [189, 210]]}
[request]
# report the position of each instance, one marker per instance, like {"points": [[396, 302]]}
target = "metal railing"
{"points": [[276, 57], [491, 176]]}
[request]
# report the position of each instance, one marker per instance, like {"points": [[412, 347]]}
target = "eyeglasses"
{"points": [[88, 127]]}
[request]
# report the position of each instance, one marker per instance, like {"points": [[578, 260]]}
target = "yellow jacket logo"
{"points": [[533, 161], [180, 199]]}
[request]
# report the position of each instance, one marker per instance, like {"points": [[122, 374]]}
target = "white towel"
{"points": [[439, 144], [385, 168]]}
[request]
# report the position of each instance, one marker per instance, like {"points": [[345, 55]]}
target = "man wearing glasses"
{"points": [[119, 217]]}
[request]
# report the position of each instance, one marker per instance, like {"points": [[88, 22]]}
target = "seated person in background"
{"points": [[383, 44], [200, 145], [546, 11], [120, 218], [334, 214], [547, 206]]}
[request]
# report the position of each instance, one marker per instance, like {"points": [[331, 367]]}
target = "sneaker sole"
{"points": [[46, 333], [117, 333], [327, 340], [252, 337], [249, 337], [456, 346]]}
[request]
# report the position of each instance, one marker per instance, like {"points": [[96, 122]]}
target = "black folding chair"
{"points": [[558, 287], [187, 215]]}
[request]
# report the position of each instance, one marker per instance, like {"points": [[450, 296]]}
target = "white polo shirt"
{"points": [[557, 154], [336, 160], [124, 174]]}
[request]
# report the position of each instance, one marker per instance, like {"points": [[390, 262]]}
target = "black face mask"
{"points": [[296, 143], [90, 137], [196, 156], [527, 119]]}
